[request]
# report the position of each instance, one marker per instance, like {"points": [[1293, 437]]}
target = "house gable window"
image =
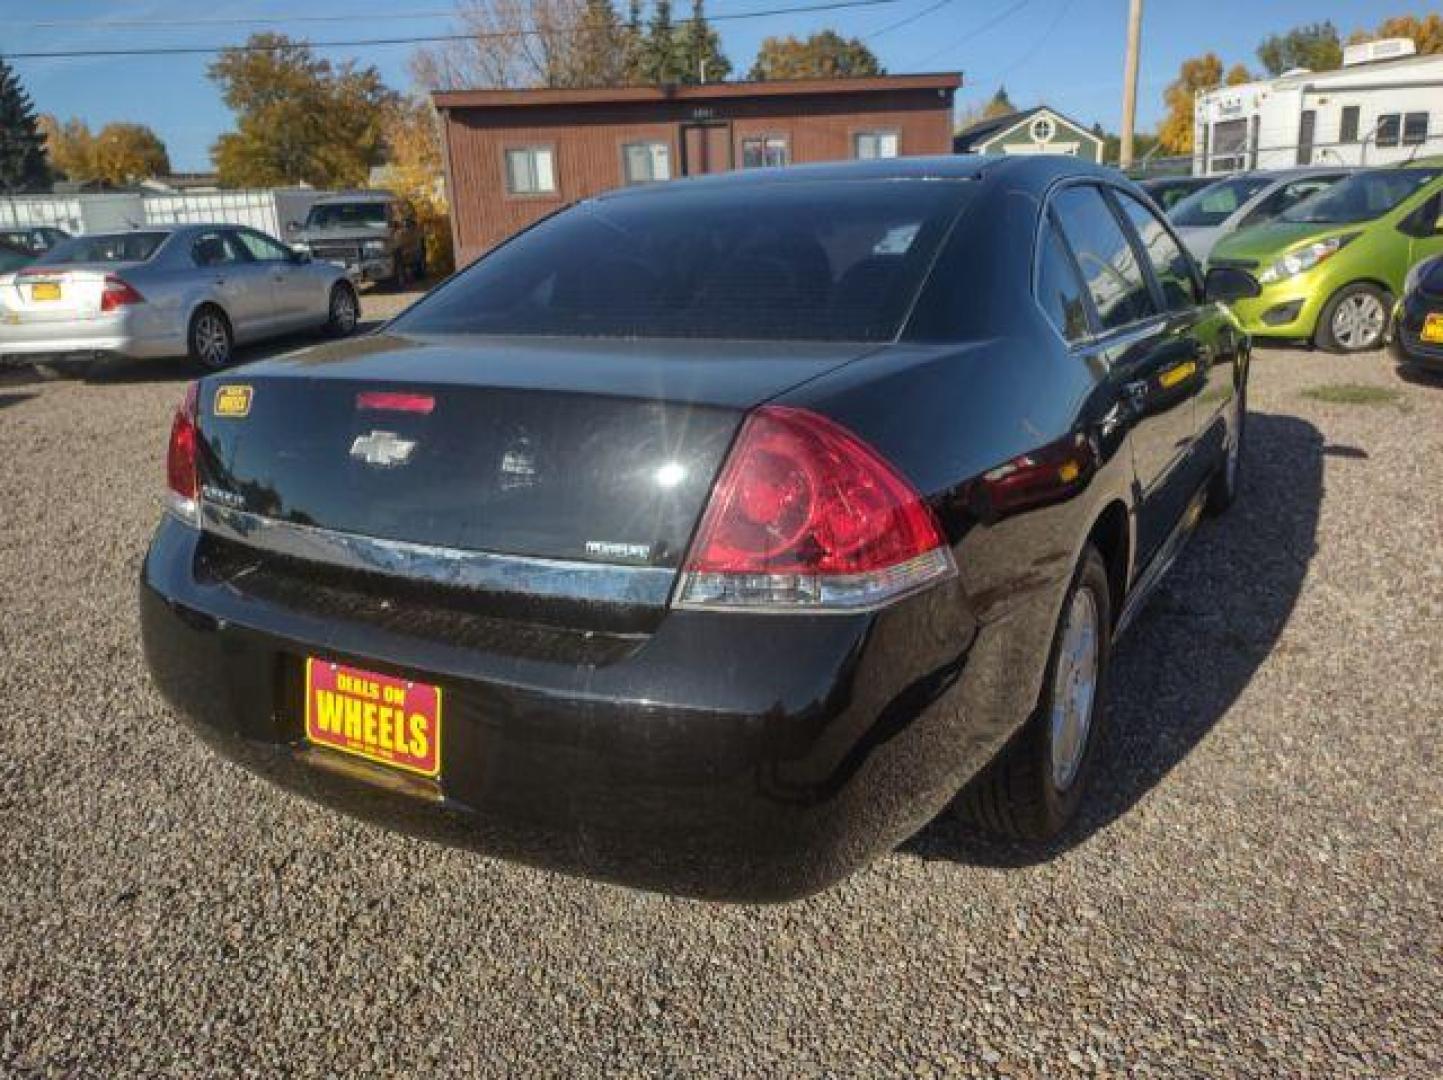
{"points": [[765, 151], [530, 170], [645, 162], [867, 145]]}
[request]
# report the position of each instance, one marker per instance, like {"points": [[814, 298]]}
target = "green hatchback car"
{"points": [[1331, 266]]}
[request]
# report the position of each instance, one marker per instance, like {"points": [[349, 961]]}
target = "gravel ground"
{"points": [[1255, 888]]}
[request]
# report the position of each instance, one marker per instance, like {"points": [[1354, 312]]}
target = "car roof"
{"points": [[1027, 170], [355, 197]]}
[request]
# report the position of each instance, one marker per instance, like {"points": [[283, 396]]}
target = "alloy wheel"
{"points": [[212, 340], [1074, 688], [343, 310], [1358, 322]]}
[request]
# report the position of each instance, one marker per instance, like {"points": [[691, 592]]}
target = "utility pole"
{"points": [[1129, 81]]}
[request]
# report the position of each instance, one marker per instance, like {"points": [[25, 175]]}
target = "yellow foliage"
{"points": [[414, 172], [1205, 72]]}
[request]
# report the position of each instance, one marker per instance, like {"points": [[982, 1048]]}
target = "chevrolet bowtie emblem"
{"points": [[383, 448]]}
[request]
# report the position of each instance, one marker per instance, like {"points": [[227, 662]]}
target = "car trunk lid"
{"points": [[566, 450], [42, 292]]}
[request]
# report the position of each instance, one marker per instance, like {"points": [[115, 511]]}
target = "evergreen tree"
{"points": [[22, 148], [634, 46], [661, 60], [701, 57]]}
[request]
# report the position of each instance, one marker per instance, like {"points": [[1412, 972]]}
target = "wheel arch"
{"points": [[1111, 534]]}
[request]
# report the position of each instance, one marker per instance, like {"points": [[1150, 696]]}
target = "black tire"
{"points": [[210, 342], [1223, 490], [1017, 796], [1338, 332], [338, 322]]}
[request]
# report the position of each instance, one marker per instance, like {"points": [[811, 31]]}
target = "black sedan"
{"points": [[711, 537], [1417, 334]]}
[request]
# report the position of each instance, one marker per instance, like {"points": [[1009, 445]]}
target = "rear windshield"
{"points": [[790, 261], [104, 248], [358, 215], [1361, 197], [1215, 204]]}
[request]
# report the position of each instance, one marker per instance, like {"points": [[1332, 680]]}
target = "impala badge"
{"points": [[384, 449]]}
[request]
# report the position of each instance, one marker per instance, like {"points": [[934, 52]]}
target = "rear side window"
{"points": [[1120, 292], [1059, 290], [1170, 264], [217, 249], [835, 261], [105, 248]]}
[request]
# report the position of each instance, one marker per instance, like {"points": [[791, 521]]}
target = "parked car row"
{"points": [[1330, 248], [183, 290]]}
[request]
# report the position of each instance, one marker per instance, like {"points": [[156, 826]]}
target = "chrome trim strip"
{"points": [[483, 571]]}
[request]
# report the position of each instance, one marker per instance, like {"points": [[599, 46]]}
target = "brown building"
{"points": [[513, 156]]}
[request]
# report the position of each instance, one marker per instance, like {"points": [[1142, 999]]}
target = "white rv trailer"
{"points": [[1383, 106]]}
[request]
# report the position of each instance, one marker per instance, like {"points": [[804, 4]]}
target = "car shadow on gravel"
{"points": [[1195, 646]]}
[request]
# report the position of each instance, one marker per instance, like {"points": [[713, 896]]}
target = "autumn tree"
{"points": [[1425, 30], [824, 55], [1316, 47], [414, 172], [22, 145], [1202, 73], [595, 52], [999, 104], [507, 43], [121, 153], [299, 118]]}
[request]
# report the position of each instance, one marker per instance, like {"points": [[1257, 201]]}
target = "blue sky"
{"points": [[1065, 52]]}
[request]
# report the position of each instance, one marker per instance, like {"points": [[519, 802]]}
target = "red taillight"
{"points": [[180, 459], [118, 293], [392, 401], [806, 514]]}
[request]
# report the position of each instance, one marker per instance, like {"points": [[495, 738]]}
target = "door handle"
{"points": [[220, 281]]}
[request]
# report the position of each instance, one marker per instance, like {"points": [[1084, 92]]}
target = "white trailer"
{"points": [[268, 210], [1383, 106]]}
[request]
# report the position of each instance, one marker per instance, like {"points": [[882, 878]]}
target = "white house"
{"points": [[1384, 105]]}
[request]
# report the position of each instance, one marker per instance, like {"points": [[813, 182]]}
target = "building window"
{"points": [[1389, 129], [867, 145], [765, 151], [1415, 129], [1043, 129], [645, 162], [1307, 126], [1230, 144], [530, 170], [1348, 127]]}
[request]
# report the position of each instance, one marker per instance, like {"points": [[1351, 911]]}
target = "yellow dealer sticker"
{"points": [[232, 400]]}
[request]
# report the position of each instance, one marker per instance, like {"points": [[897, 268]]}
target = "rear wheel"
{"points": [[210, 340], [1355, 319], [1033, 788], [344, 310]]}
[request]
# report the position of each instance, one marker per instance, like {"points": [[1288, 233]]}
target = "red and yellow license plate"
{"points": [[390, 721], [1433, 328], [45, 290]]}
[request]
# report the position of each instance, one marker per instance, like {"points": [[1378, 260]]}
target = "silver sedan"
{"points": [[182, 290]]}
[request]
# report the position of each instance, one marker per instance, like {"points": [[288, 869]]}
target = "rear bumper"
{"points": [[722, 756], [88, 338], [1407, 345]]}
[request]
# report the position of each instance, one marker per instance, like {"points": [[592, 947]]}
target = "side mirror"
{"points": [[300, 257], [1225, 284]]}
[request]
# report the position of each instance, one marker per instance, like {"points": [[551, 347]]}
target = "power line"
{"points": [[223, 20], [977, 31], [205, 50], [907, 21]]}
